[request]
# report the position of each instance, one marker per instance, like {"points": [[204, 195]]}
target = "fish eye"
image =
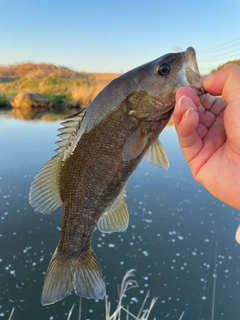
{"points": [[164, 69]]}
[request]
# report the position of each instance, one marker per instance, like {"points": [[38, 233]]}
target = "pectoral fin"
{"points": [[116, 218], [134, 145], [157, 155]]}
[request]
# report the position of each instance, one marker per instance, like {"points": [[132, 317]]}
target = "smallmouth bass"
{"points": [[100, 148]]}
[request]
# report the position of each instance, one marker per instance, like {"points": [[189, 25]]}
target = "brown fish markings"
{"points": [[100, 148]]}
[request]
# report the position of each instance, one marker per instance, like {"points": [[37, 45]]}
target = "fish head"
{"points": [[152, 101], [161, 78]]}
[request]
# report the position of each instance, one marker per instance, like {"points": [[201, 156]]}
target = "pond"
{"points": [[180, 239]]}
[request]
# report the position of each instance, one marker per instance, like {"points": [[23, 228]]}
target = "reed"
{"points": [[121, 310]]}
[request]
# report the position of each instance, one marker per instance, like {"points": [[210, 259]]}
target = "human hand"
{"points": [[208, 129]]}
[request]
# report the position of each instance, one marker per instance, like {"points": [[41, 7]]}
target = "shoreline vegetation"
{"points": [[47, 92], [46, 86], [43, 87]]}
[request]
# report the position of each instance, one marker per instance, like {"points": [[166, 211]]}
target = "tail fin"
{"points": [[82, 276]]}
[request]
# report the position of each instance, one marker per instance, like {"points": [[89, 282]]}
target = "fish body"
{"points": [[100, 148]]}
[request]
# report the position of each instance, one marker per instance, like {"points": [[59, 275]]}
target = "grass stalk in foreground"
{"points": [[121, 311], [126, 285], [70, 312], [11, 314]]}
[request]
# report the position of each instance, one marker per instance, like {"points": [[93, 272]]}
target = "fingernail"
{"points": [[188, 111], [186, 102], [180, 100], [179, 103]]}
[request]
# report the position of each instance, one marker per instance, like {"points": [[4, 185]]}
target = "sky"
{"points": [[116, 36]]}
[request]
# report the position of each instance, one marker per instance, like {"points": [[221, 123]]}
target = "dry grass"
{"points": [[36, 71], [84, 94], [11, 314], [122, 311], [26, 100], [102, 79], [58, 83]]}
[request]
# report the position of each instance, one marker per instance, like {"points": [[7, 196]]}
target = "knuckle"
{"points": [[232, 68]]}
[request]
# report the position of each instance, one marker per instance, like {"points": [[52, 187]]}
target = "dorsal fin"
{"points": [[157, 155], [69, 131], [44, 193]]}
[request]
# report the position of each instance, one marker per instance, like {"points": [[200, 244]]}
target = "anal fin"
{"points": [[116, 218]]}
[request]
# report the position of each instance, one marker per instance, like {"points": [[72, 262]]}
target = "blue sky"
{"points": [[116, 36]]}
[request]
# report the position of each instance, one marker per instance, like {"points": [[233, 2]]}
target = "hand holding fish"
{"points": [[208, 129]]}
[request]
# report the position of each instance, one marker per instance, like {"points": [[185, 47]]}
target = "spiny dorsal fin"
{"points": [[44, 193], [157, 155], [116, 218], [69, 131], [134, 145]]}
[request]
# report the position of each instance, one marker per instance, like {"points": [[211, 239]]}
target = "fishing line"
{"points": [[80, 309], [214, 280], [219, 46], [216, 54], [206, 276], [223, 55], [213, 244]]}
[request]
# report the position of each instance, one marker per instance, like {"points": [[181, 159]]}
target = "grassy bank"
{"points": [[60, 85]]}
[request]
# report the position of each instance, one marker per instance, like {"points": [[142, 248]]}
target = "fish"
{"points": [[100, 147]]}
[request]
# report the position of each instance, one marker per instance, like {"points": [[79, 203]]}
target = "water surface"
{"points": [[180, 239]]}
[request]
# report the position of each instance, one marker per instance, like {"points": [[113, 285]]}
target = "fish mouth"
{"points": [[198, 88], [192, 74], [191, 60]]}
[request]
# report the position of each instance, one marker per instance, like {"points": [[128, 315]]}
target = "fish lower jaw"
{"points": [[198, 88]]}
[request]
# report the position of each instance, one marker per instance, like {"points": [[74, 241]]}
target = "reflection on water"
{"points": [[43, 115], [180, 239], [39, 114]]}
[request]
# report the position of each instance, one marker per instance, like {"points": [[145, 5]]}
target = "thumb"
{"points": [[225, 82]]}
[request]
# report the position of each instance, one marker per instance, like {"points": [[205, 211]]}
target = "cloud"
{"points": [[176, 49]]}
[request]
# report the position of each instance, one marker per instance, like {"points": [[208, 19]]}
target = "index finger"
{"points": [[212, 104]]}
